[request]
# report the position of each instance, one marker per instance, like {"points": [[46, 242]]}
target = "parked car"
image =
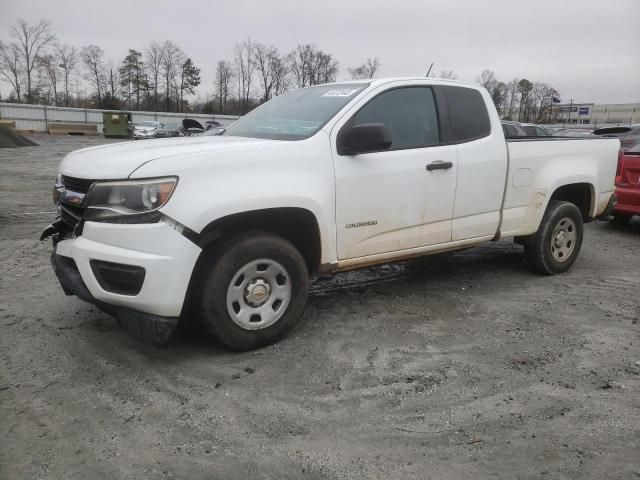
{"points": [[628, 185], [533, 130], [146, 129], [214, 131], [629, 136], [209, 124], [166, 131], [513, 129], [323, 179], [191, 127], [574, 132]]}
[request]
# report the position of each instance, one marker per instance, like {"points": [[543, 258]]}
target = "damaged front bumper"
{"points": [[138, 273], [149, 328]]}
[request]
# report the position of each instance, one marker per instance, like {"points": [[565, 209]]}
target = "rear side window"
{"points": [[468, 114]]}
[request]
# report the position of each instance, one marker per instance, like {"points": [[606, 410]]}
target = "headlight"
{"points": [[129, 201]]}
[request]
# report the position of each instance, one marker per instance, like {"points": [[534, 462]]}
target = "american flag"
{"points": [[555, 96]]}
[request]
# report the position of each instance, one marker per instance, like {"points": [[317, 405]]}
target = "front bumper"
{"points": [[167, 257], [628, 200]]}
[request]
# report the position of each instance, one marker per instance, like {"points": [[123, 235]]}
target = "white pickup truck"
{"points": [[328, 178]]}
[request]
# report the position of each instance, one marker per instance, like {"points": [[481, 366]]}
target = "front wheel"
{"points": [[255, 290], [556, 244]]}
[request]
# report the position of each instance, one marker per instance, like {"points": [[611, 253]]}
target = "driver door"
{"points": [[403, 197]]}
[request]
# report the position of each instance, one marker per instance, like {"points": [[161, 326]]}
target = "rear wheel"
{"points": [[255, 290], [556, 244]]}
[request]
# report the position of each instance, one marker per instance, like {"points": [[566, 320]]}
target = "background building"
{"points": [[596, 114]]}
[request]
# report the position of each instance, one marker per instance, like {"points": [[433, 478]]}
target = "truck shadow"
{"points": [[460, 269]]}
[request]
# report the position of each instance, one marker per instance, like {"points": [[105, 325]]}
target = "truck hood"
{"points": [[119, 160]]}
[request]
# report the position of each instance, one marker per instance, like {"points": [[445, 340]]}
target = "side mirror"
{"points": [[364, 138]]}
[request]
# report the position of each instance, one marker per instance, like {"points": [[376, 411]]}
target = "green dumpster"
{"points": [[117, 124]]}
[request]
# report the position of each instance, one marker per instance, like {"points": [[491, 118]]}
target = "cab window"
{"points": [[409, 113]]}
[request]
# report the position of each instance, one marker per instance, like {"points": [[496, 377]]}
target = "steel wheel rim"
{"points": [[259, 294], [563, 240]]}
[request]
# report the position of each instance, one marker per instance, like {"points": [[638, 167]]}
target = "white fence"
{"points": [[36, 118]]}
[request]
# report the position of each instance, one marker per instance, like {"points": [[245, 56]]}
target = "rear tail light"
{"points": [[619, 168]]}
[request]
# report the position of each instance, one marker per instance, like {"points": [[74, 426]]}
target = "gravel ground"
{"points": [[455, 366]]}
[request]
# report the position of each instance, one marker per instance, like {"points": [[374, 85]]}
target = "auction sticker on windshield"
{"points": [[342, 92]]}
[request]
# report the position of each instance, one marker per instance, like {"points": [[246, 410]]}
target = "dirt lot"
{"points": [[455, 366]]}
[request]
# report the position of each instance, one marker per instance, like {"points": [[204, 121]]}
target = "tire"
{"points": [[255, 290], [556, 245]]}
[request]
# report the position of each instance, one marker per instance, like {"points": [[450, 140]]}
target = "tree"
{"points": [[170, 61], [91, 57], [153, 61], [66, 57], [189, 79], [524, 88], [512, 90], [448, 74], [272, 69], [499, 95], [245, 68], [31, 40], [487, 79], [112, 83], [11, 68], [49, 68], [300, 64], [366, 70], [324, 68], [132, 76], [224, 75]]}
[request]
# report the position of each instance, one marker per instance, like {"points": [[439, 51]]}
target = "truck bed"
{"points": [[537, 163]]}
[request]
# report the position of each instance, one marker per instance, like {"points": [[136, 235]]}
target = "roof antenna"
{"points": [[429, 71]]}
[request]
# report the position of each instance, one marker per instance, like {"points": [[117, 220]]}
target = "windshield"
{"points": [[296, 115]]}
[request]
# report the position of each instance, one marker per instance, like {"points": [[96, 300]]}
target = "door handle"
{"points": [[439, 165]]}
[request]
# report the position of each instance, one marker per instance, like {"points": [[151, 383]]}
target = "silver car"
{"points": [[146, 129]]}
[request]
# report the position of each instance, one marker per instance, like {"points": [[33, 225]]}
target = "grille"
{"points": [[80, 185], [71, 215]]}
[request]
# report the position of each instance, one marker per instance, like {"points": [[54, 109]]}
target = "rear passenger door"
{"points": [[482, 160], [403, 197]]}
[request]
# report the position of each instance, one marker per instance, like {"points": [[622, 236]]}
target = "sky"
{"points": [[588, 50]]}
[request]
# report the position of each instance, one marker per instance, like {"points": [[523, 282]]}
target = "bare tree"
{"points": [[170, 61], [487, 79], [512, 90], [366, 70], [281, 75], [11, 68], [224, 75], [448, 74], [31, 40], [50, 73], [113, 80], [67, 58], [91, 57], [300, 64], [245, 68], [271, 67], [323, 68], [153, 61]]}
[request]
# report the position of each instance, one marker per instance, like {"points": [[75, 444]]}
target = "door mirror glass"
{"points": [[365, 138]]}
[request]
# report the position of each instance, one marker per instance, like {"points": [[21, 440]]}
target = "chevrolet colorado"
{"points": [[323, 179]]}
